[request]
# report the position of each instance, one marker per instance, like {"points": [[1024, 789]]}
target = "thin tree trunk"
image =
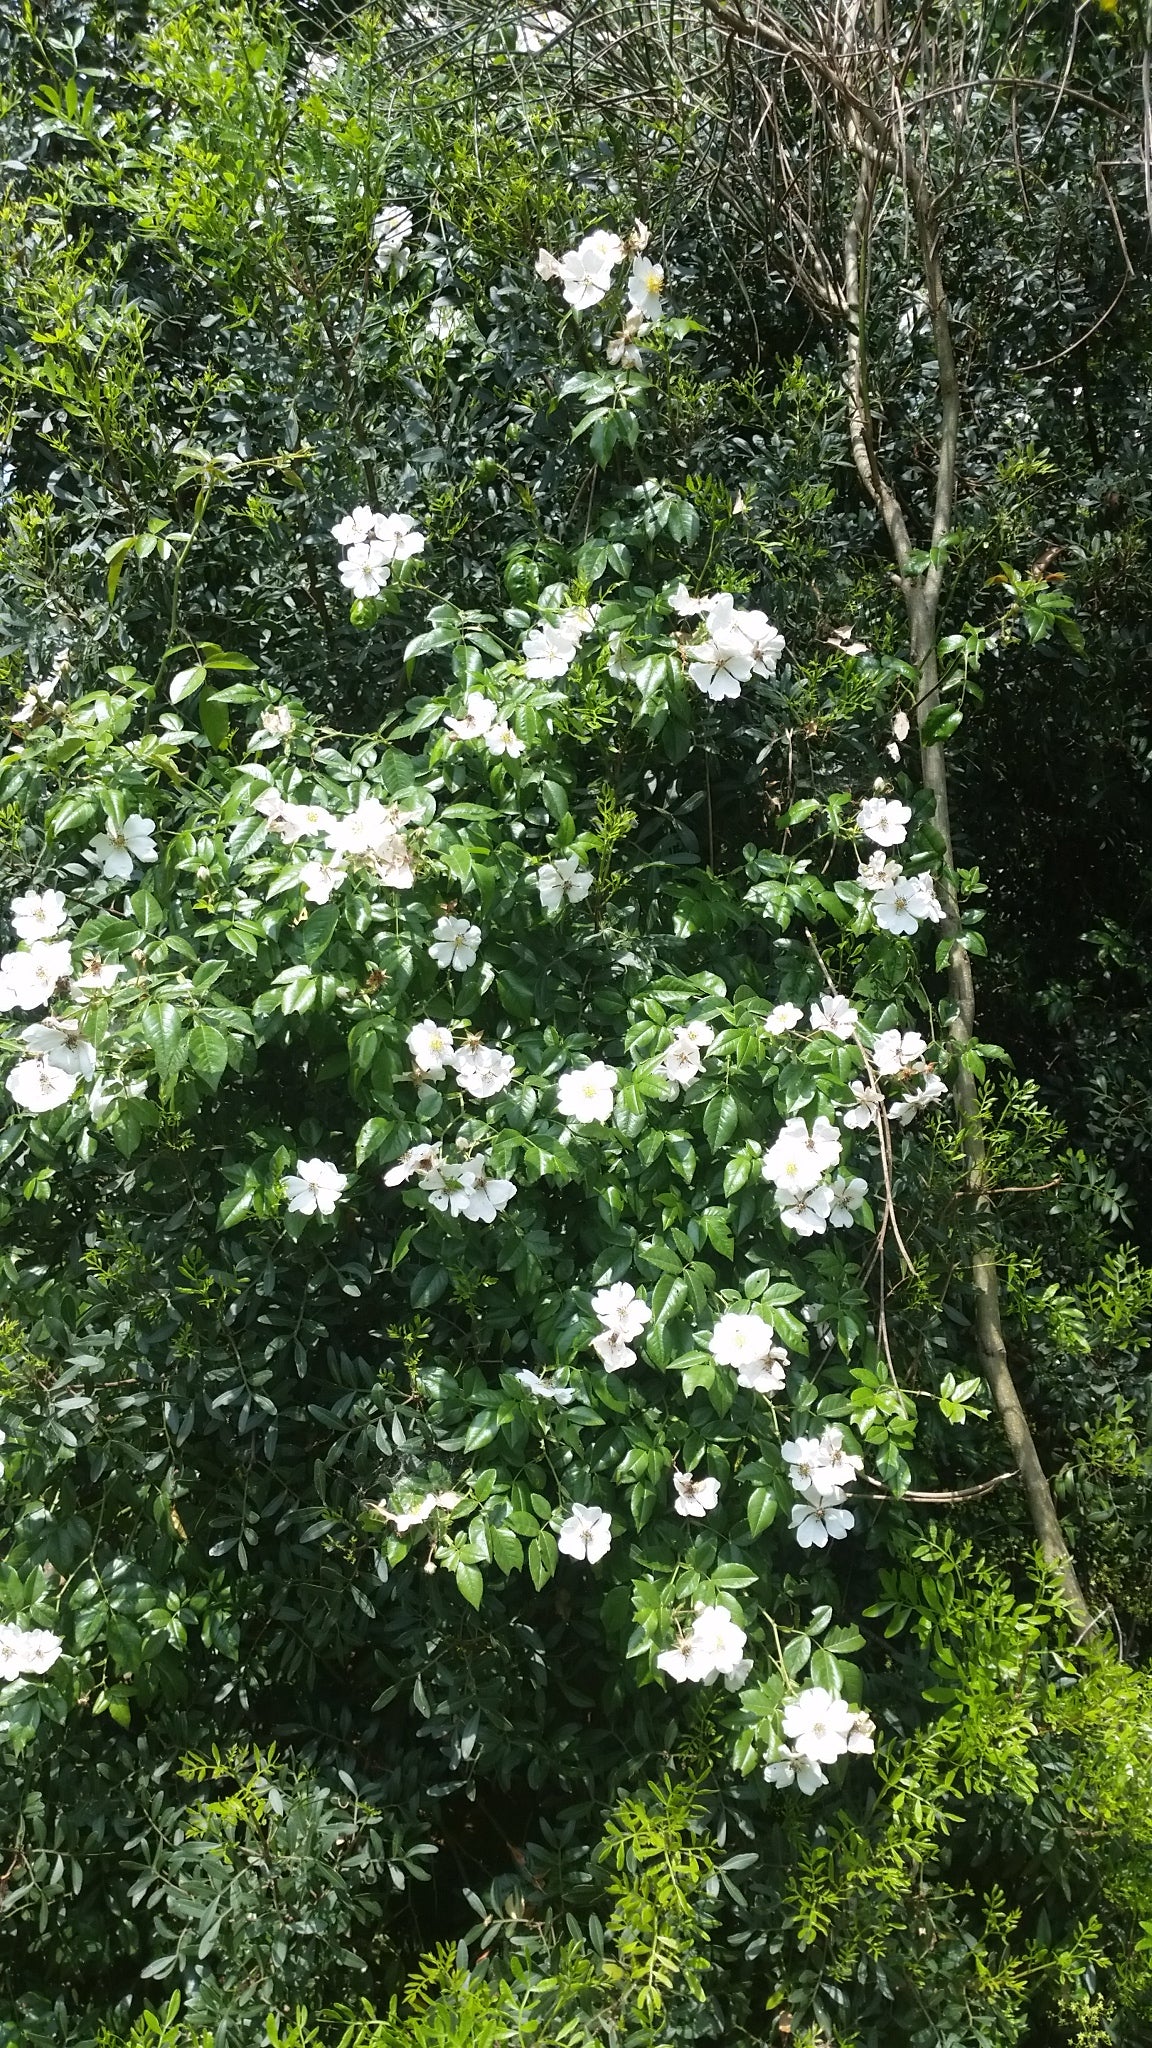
{"points": [[922, 604]]}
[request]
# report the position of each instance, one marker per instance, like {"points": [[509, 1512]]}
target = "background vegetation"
{"points": [[289, 1771]]}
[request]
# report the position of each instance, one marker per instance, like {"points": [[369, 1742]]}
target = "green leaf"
{"points": [[721, 1117], [233, 1207], [470, 1582], [319, 929], [542, 1559], [796, 1655], [762, 1510], [215, 722], [186, 682], [208, 1052], [162, 1025], [940, 724]]}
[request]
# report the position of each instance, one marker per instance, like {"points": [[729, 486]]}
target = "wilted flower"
{"points": [[315, 1187]]}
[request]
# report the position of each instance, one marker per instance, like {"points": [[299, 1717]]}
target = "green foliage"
{"points": [[338, 1728]]}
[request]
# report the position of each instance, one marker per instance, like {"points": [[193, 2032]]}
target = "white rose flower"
{"points": [[764, 1375], [620, 1310], [486, 1195], [115, 849], [781, 1018], [818, 1725], [445, 320], [694, 1497], [27, 1652], [585, 1533], [500, 739], [884, 820], [357, 525], [319, 878], [786, 1768], [455, 943], [366, 569], [805, 1210], [847, 1196], [645, 285], [563, 880], [878, 871], [895, 1051], [30, 978], [865, 1108], [819, 1518], [278, 721], [59, 1041], [549, 652], [419, 1159], [480, 715], [585, 1093], [741, 1339], [97, 978], [681, 1062], [546, 1390], [712, 1648], [538, 31], [39, 915], [481, 1071], [391, 230], [431, 1048], [820, 1464], [932, 1089], [834, 1014], [613, 1350], [38, 1085], [315, 1187], [800, 1157]]}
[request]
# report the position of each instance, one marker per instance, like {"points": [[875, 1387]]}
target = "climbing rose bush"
{"points": [[638, 1136]]}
